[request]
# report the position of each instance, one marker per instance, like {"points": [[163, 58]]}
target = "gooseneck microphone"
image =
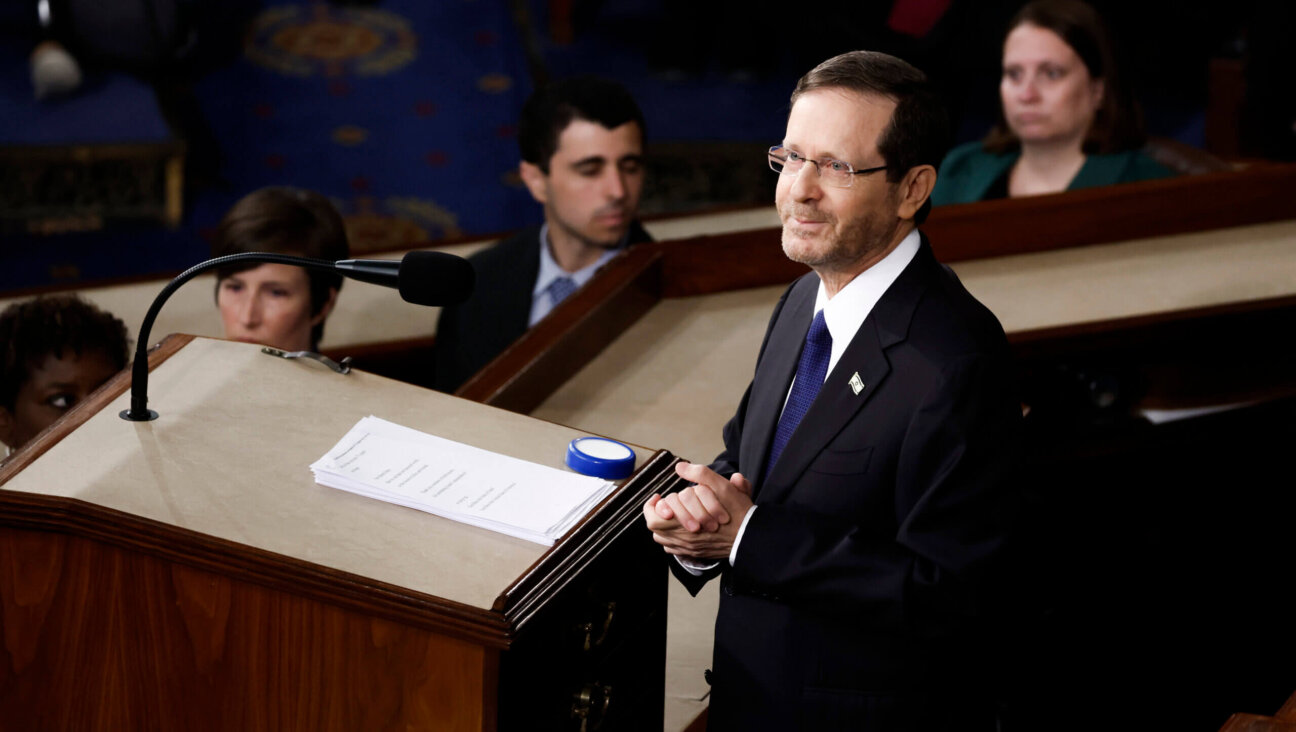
{"points": [[423, 278]]}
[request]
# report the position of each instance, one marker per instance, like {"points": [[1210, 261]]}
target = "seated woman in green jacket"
{"points": [[1066, 121]]}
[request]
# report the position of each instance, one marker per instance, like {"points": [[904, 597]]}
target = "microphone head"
{"points": [[435, 278]]}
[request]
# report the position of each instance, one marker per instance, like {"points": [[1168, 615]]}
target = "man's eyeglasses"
{"points": [[836, 173]]}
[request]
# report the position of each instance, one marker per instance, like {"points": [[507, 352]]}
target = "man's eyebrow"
{"points": [[591, 160], [822, 154]]}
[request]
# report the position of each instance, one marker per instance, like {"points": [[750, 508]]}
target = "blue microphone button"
{"points": [[600, 457]]}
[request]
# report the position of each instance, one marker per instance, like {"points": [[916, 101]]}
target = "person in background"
{"points": [[581, 141], [1067, 121], [279, 305], [54, 351]]}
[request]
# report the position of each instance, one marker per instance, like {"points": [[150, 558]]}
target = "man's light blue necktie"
{"points": [[559, 289]]}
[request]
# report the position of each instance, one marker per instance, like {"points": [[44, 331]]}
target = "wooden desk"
{"points": [[188, 573]]}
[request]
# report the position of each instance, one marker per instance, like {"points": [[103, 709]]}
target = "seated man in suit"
{"points": [[864, 492], [581, 141]]}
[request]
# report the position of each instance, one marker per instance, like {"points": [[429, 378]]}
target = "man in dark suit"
{"points": [[581, 141], [864, 493]]}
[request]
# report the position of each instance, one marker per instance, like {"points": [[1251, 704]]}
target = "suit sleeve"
{"points": [[726, 463], [471, 334], [953, 501]]}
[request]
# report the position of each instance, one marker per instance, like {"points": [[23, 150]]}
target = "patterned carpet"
{"points": [[402, 112]]}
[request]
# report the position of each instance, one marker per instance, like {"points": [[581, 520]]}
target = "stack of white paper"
{"points": [[400, 465]]}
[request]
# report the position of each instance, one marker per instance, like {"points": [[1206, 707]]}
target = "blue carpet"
{"points": [[110, 108], [409, 131]]}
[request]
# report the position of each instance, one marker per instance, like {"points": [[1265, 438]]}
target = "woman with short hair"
{"points": [[279, 305]]}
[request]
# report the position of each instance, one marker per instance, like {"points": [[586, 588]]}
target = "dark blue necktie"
{"points": [[810, 374]]}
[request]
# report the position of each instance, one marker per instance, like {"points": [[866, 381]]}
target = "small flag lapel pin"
{"points": [[856, 383]]}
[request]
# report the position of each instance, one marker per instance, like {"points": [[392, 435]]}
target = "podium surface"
{"points": [[190, 571]]}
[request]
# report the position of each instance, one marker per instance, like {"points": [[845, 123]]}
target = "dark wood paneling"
{"points": [[723, 262], [1288, 711], [251, 565], [1260, 193], [100, 637], [1256, 723], [1283, 721]]}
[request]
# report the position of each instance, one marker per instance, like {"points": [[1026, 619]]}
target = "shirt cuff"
{"points": [[695, 568], [733, 551]]}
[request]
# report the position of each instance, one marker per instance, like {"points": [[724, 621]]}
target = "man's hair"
{"points": [[551, 108], [58, 326], [919, 131], [1118, 122], [286, 221]]}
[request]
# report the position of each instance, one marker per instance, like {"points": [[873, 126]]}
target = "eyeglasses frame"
{"points": [[771, 156]]}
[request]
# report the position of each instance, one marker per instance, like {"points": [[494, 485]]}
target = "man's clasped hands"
{"points": [[701, 521]]}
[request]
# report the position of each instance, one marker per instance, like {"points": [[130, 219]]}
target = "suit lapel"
{"points": [[837, 403], [774, 374]]}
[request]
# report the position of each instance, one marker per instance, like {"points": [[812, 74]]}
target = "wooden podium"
{"points": [[188, 573]]}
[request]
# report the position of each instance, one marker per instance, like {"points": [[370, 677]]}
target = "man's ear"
{"points": [[536, 181], [326, 308], [6, 426], [915, 189]]}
